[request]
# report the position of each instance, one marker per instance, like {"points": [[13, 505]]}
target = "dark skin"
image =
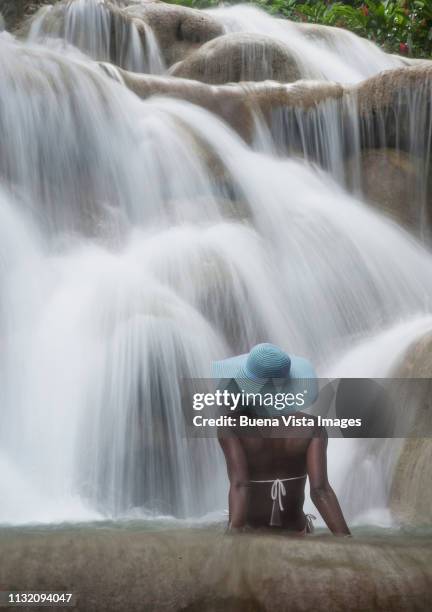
{"points": [[266, 455]]}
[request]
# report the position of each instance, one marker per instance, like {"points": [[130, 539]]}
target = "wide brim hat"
{"points": [[267, 367]]}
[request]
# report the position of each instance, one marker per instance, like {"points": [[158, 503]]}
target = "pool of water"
{"points": [[164, 524]]}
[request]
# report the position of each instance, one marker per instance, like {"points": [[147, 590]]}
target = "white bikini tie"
{"points": [[278, 491]]}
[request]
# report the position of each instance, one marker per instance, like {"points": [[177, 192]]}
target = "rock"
{"points": [[179, 30], [413, 61], [395, 164], [101, 30], [319, 32], [228, 103], [17, 11], [197, 570], [237, 104], [384, 105], [380, 91], [239, 57], [389, 179], [417, 361], [411, 495]]}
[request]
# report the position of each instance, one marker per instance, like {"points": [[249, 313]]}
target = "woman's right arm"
{"points": [[239, 480], [321, 492]]}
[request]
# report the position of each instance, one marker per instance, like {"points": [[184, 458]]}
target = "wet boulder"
{"points": [[239, 57], [101, 30], [179, 30], [386, 103], [389, 179], [237, 104], [395, 163], [228, 102], [382, 90], [15, 12], [411, 495]]}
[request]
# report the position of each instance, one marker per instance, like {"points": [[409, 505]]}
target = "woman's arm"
{"points": [[321, 492], [239, 480]]}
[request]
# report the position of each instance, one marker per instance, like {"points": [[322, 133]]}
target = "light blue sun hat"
{"points": [[267, 363]]}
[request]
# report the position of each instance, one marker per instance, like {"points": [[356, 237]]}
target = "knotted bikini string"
{"points": [[278, 489]]}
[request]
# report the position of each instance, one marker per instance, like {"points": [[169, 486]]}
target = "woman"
{"points": [[268, 468]]}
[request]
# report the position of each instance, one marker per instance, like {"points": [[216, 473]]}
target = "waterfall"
{"points": [[372, 460], [101, 32], [334, 134], [328, 53], [143, 238]]}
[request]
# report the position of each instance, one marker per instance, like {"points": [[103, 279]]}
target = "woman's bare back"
{"points": [[282, 458], [281, 453]]}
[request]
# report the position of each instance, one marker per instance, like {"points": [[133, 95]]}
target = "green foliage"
{"points": [[399, 26]]}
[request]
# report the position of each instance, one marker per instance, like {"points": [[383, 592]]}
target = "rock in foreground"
{"points": [[198, 571]]}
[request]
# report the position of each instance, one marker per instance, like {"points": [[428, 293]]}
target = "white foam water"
{"points": [[322, 52]]}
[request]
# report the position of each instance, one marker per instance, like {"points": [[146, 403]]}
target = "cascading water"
{"points": [[372, 461], [103, 33], [322, 53], [334, 134], [127, 263]]}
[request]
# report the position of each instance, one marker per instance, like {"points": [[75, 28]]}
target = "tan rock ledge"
{"points": [[197, 570]]}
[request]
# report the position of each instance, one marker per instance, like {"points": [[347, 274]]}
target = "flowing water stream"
{"points": [[126, 264], [325, 54]]}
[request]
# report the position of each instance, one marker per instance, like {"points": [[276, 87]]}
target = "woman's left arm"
{"points": [[239, 480]]}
